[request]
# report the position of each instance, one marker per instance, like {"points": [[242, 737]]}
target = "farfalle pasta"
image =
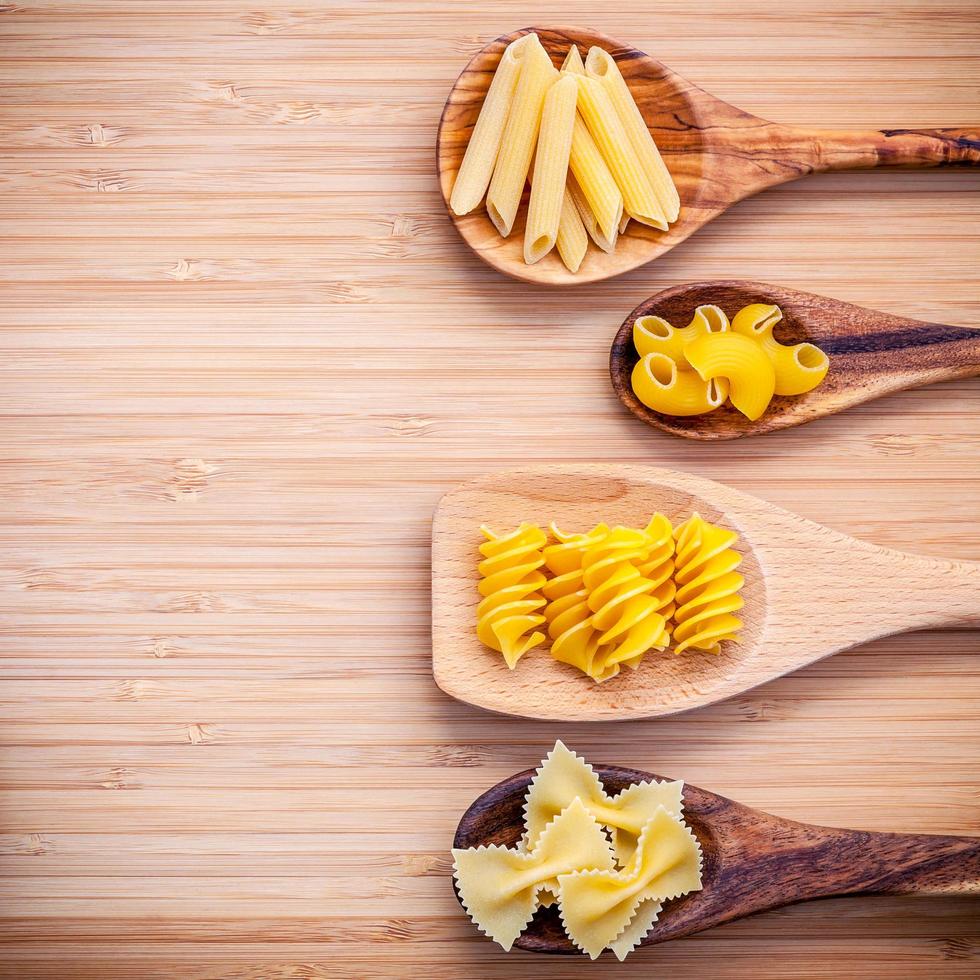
{"points": [[692, 370], [609, 596], [608, 896]]}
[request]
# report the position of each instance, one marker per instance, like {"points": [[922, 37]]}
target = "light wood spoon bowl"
{"points": [[809, 592], [871, 354], [753, 861], [716, 153]]}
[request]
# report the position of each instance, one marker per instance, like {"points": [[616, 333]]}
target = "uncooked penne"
{"points": [[519, 137], [572, 240], [476, 169], [573, 62], [596, 180], [588, 218], [639, 200], [602, 66], [550, 169]]}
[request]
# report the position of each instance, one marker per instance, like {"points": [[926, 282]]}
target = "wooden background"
{"points": [[244, 355]]}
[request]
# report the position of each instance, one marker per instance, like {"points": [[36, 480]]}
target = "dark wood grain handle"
{"points": [[862, 149]]}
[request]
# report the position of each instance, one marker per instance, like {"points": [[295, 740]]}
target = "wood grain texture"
{"points": [[872, 354], [751, 861], [245, 353], [717, 155], [809, 592]]}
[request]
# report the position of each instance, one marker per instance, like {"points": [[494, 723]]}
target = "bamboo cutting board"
{"points": [[245, 353]]}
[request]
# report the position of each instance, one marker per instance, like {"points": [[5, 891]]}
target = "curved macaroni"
{"points": [[654, 335], [742, 362], [658, 383], [508, 614], [707, 586], [799, 367]]}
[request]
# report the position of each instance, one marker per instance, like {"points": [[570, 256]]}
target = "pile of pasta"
{"points": [[696, 369], [595, 165], [604, 598], [608, 862]]}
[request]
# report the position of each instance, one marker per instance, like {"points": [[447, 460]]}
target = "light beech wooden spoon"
{"points": [[716, 153], [753, 861], [809, 592], [871, 354]]}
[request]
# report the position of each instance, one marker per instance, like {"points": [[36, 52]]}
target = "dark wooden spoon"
{"points": [[753, 861], [716, 153], [871, 354]]}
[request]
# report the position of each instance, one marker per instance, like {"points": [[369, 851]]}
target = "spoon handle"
{"points": [[842, 149]]}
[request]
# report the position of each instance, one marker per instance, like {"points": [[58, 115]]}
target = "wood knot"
{"points": [[959, 948], [757, 710], [461, 756], [131, 690], [120, 778], [39, 578], [191, 478], [426, 865], [409, 425], [200, 734], [192, 602], [894, 444]]}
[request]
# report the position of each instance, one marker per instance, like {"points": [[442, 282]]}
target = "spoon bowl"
{"points": [[753, 861], [716, 153], [871, 354], [809, 592]]}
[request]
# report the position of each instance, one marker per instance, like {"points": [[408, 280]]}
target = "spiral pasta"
{"points": [[707, 586], [511, 579]]}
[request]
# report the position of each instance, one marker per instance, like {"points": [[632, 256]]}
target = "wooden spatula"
{"points": [[716, 153], [753, 861], [809, 592], [871, 354]]}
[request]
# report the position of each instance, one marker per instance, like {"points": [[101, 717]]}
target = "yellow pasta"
{"points": [[550, 169], [602, 66], [799, 368], [624, 609], [509, 612], [639, 200], [573, 61], [597, 905], [476, 169], [708, 586], [519, 137], [654, 335], [564, 776], [658, 383], [499, 886], [658, 566], [572, 240], [588, 218], [742, 362]]}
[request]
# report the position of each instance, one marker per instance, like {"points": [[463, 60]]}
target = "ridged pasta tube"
{"points": [[639, 200], [800, 367], [742, 361], [624, 609], [602, 66], [519, 137], [587, 216], [572, 240], [654, 335], [511, 579], [550, 169], [658, 383], [475, 171], [707, 586]]}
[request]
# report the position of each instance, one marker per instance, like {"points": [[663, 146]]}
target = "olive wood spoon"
{"points": [[716, 153], [809, 592], [871, 354], [753, 861]]}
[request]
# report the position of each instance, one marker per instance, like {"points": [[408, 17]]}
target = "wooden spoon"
{"points": [[809, 592], [871, 354], [716, 153], [753, 861]]}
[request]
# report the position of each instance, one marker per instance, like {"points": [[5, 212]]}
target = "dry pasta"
{"points": [[742, 362], [662, 387], [519, 137], [654, 335], [476, 169]]}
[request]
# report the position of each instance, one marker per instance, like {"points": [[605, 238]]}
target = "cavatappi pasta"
{"points": [[609, 596], [591, 148], [692, 370], [610, 889]]}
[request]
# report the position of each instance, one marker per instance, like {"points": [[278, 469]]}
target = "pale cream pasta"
{"points": [[572, 240], [550, 169], [476, 169], [640, 201], [588, 218], [519, 137], [602, 66]]}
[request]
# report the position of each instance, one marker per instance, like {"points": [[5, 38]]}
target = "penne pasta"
{"points": [[640, 201], [588, 218], [476, 169], [602, 66], [596, 180], [572, 240], [550, 169], [519, 137]]}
